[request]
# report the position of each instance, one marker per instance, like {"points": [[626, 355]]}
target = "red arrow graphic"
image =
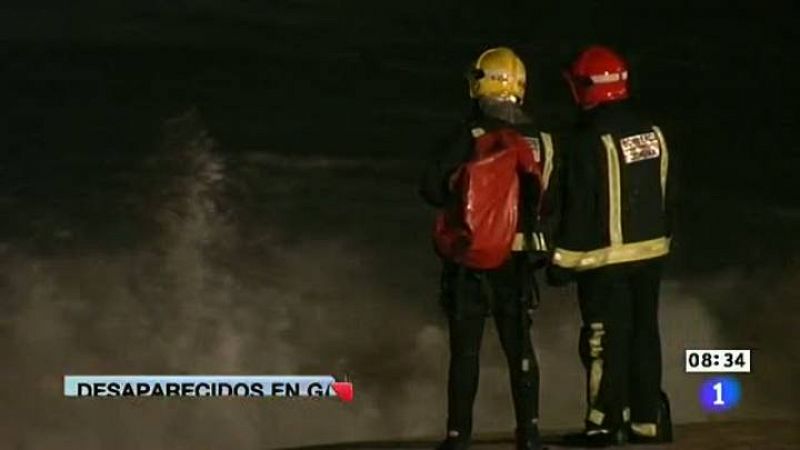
{"points": [[344, 390]]}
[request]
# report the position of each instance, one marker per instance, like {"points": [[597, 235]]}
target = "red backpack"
{"points": [[478, 229]]}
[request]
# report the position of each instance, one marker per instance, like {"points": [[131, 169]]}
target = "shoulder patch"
{"points": [[477, 132], [535, 147], [640, 147]]}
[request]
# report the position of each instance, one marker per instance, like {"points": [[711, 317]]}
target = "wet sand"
{"points": [[754, 435]]}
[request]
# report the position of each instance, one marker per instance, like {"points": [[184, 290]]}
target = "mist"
{"points": [[229, 276]]}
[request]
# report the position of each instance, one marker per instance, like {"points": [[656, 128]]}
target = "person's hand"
{"points": [[538, 260], [558, 276], [454, 178]]}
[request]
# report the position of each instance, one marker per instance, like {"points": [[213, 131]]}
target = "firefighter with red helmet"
{"points": [[613, 237], [487, 182]]}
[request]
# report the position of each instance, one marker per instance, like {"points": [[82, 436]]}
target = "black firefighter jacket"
{"points": [[617, 194]]}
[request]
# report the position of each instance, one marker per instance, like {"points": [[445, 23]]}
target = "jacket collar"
{"points": [[506, 111]]}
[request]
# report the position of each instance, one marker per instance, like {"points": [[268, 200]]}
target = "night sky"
{"points": [[386, 79]]}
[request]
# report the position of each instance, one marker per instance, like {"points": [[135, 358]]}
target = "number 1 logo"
{"points": [[719, 401], [720, 394]]}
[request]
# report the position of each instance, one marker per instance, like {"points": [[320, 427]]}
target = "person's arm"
{"points": [[671, 162], [530, 193], [551, 201], [435, 185], [672, 192], [556, 198]]}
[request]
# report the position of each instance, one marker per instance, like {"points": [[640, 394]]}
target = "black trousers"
{"points": [[469, 297], [620, 346]]}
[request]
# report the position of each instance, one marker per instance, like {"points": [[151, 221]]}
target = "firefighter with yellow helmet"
{"points": [[496, 279]]}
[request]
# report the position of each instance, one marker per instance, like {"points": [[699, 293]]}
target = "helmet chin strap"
{"points": [[505, 99]]}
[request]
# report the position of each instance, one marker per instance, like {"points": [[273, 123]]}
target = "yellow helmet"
{"points": [[498, 73]]}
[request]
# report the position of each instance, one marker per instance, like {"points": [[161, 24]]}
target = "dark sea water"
{"points": [[238, 206]]}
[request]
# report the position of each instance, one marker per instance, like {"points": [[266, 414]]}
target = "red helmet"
{"points": [[598, 75]]}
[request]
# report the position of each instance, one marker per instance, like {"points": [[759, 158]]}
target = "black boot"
{"points": [[529, 439], [453, 444], [454, 441], [665, 419], [663, 426]]}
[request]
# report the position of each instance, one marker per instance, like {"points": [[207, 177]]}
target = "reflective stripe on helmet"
{"points": [[609, 77]]}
